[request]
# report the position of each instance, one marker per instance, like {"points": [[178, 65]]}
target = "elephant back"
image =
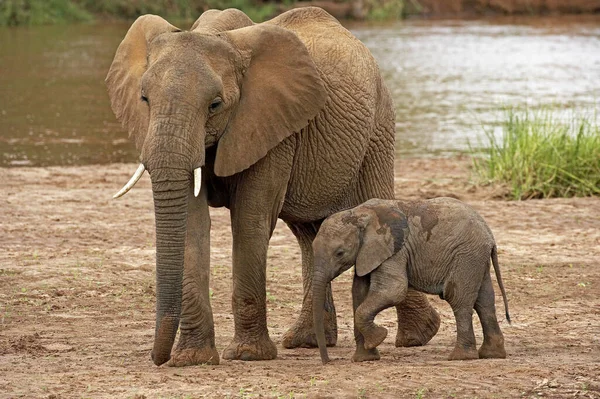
{"points": [[334, 49]]}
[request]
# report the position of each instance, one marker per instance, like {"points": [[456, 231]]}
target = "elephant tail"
{"points": [[499, 279]]}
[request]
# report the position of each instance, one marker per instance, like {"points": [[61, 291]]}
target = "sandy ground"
{"points": [[77, 299]]}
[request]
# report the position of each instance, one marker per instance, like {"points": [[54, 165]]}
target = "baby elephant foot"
{"points": [[460, 353], [365, 355], [375, 337], [256, 349], [193, 357], [492, 348]]}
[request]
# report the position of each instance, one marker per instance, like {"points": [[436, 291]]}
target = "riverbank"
{"points": [[41, 12], [77, 299], [465, 8]]}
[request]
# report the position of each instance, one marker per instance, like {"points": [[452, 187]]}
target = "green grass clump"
{"points": [[40, 12], [44, 12], [256, 10], [540, 156], [384, 10], [127, 9]]}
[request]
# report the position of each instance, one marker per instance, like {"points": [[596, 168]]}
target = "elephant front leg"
{"points": [[302, 333], [360, 289], [197, 335], [388, 287], [252, 229]]}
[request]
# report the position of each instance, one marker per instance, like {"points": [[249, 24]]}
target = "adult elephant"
{"points": [[288, 118]]}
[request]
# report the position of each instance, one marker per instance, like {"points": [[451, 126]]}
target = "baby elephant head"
{"points": [[364, 236]]}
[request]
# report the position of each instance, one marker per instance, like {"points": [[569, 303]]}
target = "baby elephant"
{"points": [[439, 246]]}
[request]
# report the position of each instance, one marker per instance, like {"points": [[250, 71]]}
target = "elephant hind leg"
{"points": [[301, 334], [493, 340], [465, 348], [462, 300], [418, 321]]}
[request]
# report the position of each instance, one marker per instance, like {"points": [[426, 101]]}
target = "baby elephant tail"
{"points": [[499, 278]]}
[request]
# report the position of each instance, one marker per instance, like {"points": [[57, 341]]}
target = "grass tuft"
{"points": [[539, 155], [384, 10], [41, 12]]}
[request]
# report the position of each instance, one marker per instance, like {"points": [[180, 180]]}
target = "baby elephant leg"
{"points": [[461, 301], [465, 348], [360, 289], [493, 340], [363, 319], [388, 288]]}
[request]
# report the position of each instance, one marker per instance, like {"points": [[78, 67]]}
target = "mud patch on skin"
{"points": [[351, 219], [395, 220], [428, 216]]}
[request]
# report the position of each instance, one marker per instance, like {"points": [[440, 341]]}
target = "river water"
{"points": [[449, 80]]}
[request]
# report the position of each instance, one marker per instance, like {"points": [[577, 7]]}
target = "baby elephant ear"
{"points": [[382, 236]]}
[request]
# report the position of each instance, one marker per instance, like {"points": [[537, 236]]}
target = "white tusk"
{"points": [[134, 179], [197, 181]]}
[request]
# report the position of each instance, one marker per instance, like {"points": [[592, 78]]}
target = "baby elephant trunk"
{"points": [[320, 281]]}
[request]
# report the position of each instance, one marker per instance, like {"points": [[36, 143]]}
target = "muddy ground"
{"points": [[77, 299]]}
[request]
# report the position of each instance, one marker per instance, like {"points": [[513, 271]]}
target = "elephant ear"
{"points": [[281, 91], [125, 75], [382, 236], [217, 21]]}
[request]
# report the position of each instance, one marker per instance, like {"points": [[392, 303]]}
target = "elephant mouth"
{"points": [[140, 171], [211, 138]]}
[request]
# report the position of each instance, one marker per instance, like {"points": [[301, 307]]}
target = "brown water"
{"points": [[448, 78], [54, 108]]}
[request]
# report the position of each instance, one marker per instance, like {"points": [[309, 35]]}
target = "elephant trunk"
{"points": [[170, 209], [320, 281], [170, 167]]}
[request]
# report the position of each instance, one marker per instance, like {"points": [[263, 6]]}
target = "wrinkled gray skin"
{"points": [[287, 119], [439, 246]]}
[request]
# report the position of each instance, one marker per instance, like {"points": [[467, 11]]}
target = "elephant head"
{"points": [[365, 236], [177, 93]]}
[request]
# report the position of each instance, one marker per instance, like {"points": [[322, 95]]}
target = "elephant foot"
{"points": [[193, 357], [365, 355], [460, 353], [302, 334], [375, 337], [492, 348], [416, 324], [261, 349]]}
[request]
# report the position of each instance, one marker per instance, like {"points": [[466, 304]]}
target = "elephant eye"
{"points": [[339, 253], [215, 104], [145, 99]]}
